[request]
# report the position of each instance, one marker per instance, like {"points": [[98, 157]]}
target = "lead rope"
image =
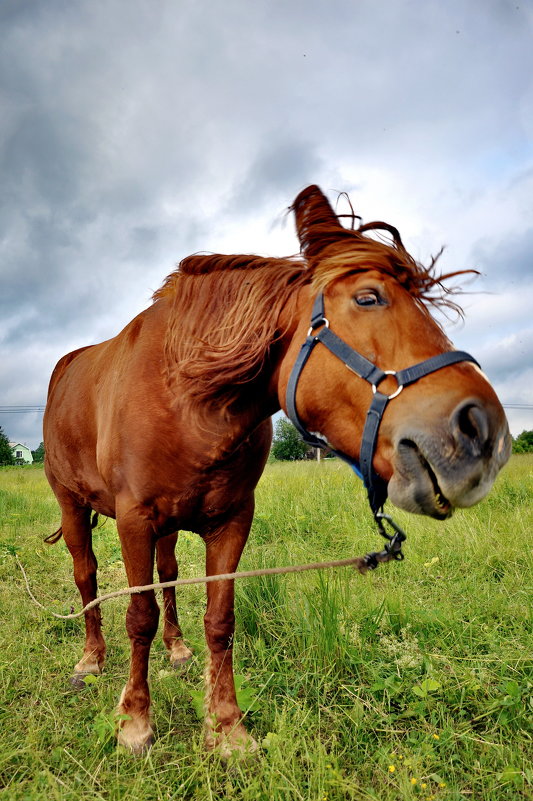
{"points": [[370, 561]]}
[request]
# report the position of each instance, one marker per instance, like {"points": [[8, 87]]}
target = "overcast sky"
{"points": [[134, 132]]}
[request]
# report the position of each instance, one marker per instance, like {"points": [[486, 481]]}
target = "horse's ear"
{"points": [[317, 224]]}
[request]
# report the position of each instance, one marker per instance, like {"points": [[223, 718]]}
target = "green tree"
{"points": [[523, 443], [38, 454], [6, 454], [288, 445]]}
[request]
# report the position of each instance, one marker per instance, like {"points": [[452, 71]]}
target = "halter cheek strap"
{"points": [[376, 486]]}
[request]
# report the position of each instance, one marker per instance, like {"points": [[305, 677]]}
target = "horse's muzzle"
{"points": [[443, 464]]}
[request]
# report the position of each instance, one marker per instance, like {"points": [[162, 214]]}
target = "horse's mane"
{"points": [[225, 318], [359, 253], [226, 308]]}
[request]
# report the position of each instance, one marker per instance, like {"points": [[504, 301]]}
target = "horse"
{"points": [[167, 426]]}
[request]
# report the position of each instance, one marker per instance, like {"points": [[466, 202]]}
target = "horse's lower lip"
{"points": [[415, 486]]}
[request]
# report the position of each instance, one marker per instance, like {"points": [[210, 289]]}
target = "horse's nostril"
{"points": [[470, 424]]}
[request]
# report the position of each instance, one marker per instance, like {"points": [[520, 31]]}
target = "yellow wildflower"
{"points": [[392, 768], [414, 781]]}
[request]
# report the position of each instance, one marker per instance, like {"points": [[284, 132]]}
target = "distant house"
{"points": [[21, 452]]}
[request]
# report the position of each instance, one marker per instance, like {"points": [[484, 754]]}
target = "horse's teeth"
{"points": [[441, 503]]}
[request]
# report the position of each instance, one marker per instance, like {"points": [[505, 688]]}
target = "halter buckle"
{"points": [[323, 321], [386, 373]]}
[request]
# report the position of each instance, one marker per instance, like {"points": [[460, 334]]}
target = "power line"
{"points": [[39, 408], [21, 409]]}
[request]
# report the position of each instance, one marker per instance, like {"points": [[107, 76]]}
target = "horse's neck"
{"points": [[260, 398], [230, 428], [225, 427]]}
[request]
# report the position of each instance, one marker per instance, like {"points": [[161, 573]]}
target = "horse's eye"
{"points": [[367, 298]]}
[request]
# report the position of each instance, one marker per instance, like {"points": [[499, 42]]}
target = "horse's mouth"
{"points": [[414, 485], [442, 506]]}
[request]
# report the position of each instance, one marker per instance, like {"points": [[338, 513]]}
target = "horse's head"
{"points": [[442, 438]]}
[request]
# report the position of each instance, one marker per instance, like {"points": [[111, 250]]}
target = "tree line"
{"points": [[287, 444]]}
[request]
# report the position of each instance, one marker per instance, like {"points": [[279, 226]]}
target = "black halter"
{"points": [[375, 486]]}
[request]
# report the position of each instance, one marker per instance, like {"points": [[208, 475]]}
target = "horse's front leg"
{"points": [[224, 730], [167, 568], [138, 547]]}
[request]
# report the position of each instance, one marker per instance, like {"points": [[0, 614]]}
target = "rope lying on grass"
{"points": [[361, 563]]}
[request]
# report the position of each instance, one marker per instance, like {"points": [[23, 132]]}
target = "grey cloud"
{"points": [[279, 170], [132, 135], [507, 260], [509, 357]]}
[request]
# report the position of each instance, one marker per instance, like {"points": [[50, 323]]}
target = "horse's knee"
{"points": [[142, 617], [219, 631], [167, 568]]}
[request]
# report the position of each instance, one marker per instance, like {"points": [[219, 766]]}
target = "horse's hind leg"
{"points": [[167, 568], [77, 533]]}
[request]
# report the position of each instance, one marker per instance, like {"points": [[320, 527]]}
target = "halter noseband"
{"points": [[375, 486]]}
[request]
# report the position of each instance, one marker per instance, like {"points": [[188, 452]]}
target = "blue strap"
{"points": [[412, 374], [375, 486], [355, 362], [290, 397], [318, 313], [356, 469]]}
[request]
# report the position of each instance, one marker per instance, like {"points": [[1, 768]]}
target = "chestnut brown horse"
{"points": [[167, 426]]}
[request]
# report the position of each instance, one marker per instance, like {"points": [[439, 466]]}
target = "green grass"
{"points": [[357, 686]]}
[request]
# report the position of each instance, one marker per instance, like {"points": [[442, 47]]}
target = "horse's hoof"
{"points": [[135, 734], [235, 745], [138, 749], [177, 664], [77, 680], [87, 666], [247, 751], [180, 655]]}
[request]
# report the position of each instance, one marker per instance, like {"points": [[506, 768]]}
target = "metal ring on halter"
{"points": [[323, 321], [394, 394]]}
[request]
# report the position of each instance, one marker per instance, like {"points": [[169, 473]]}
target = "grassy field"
{"points": [[414, 682]]}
